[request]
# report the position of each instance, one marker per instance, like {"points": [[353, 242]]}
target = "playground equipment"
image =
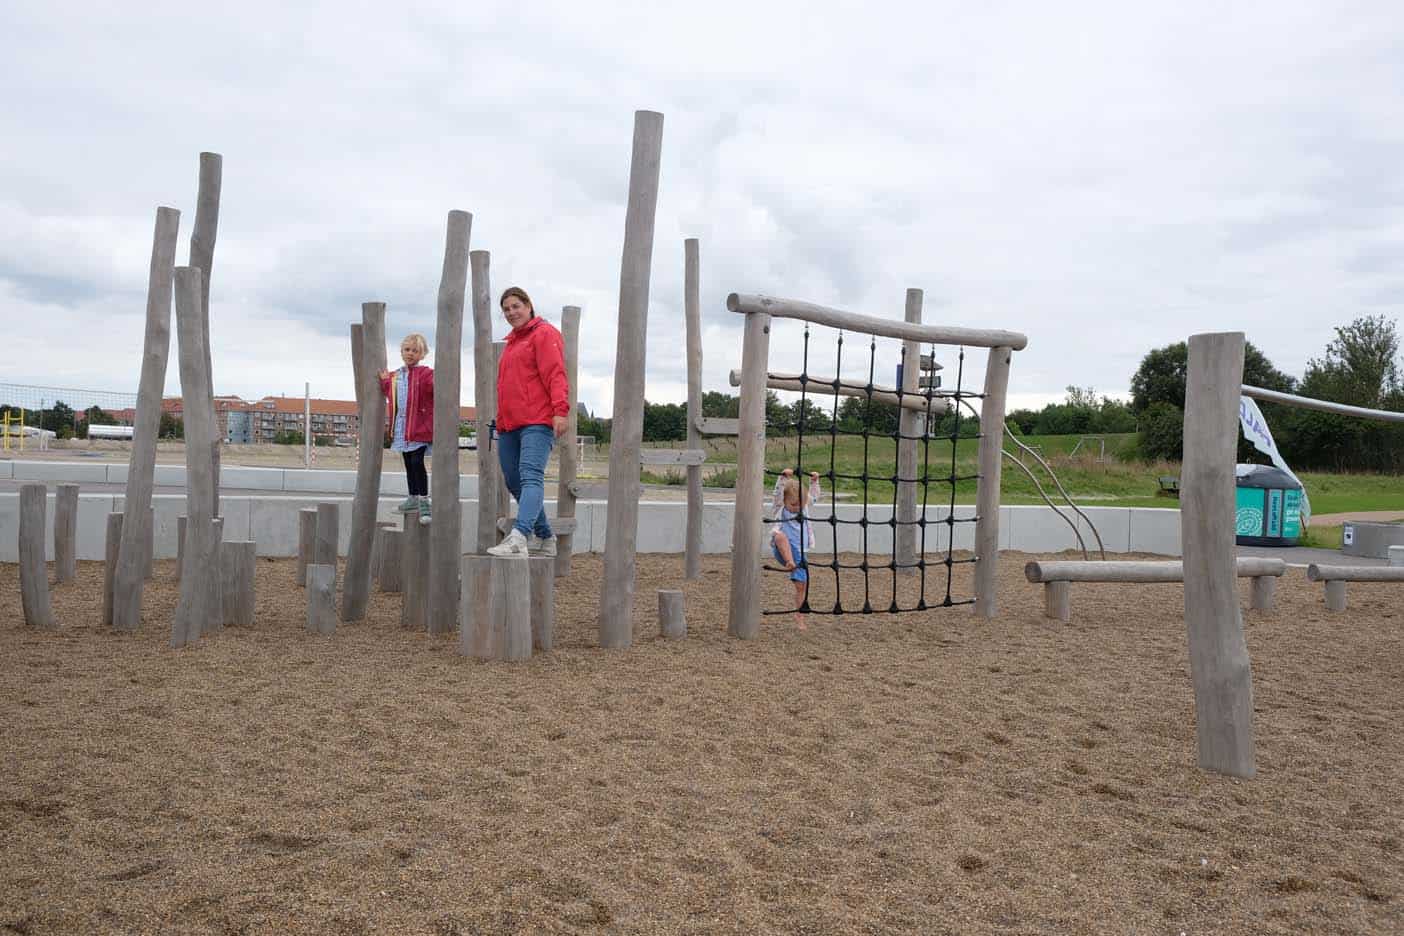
{"points": [[1057, 578], [1335, 578], [915, 408]]}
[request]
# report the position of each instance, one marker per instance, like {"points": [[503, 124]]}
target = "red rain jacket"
{"points": [[531, 377], [419, 407]]}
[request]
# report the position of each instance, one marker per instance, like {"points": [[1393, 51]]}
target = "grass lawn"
{"points": [[1091, 479]]}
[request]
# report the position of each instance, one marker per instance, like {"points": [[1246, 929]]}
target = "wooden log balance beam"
{"points": [[1335, 578], [824, 386], [1057, 578]]}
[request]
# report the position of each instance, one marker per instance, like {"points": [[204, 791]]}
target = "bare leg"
{"points": [[801, 619], [782, 545]]}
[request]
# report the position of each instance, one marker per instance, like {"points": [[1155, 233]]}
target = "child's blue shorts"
{"points": [[800, 573]]}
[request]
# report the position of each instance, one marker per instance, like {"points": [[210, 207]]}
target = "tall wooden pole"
{"points": [[1223, 676], [987, 490], [133, 564], [358, 355], [356, 581], [503, 497], [692, 312], [66, 532], [570, 453], [747, 534], [484, 399], [202, 246], [199, 603], [911, 424], [626, 428], [445, 534]]}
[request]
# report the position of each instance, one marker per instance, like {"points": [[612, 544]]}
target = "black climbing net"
{"points": [[935, 540]]}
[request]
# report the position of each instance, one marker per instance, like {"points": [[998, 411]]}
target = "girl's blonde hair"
{"points": [[793, 490], [416, 341]]}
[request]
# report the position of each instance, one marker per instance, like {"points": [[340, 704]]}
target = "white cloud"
{"points": [[1106, 178]]}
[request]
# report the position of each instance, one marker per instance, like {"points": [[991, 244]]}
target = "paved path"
{"points": [[1377, 515], [1304, 556]]}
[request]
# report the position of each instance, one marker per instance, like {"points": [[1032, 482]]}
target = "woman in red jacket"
{"points": [[533, 401], [409, 392]]}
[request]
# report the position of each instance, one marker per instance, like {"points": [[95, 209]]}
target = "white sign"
{"points": [[1256, 431]]}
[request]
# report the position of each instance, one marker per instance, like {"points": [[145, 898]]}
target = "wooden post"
{"points": [[199, 602], [671, 622], [181, 523], [503, 497], [987, 488], [692, 313], [378, 546], [321, 598], [135, 555], [484, 399], [202, 245], [743, 614], [495, 613], [414, 573], [66, 533], [236, 559], [34, 574], [1336, 595], [543, 602], [1264, 587], [1223, 676], [356, 580], [306, 541], [1057, 601], [358, 355], [569, 451], [112, 545], [324, 542], [626, 429], [911, 423], [446, 532], [392, 552]]}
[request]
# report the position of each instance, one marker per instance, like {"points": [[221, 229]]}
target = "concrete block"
{"points": [[164, 529], [7, 470], [117, 474], [392, 482], [55, 471], [9, 527], [468, 487], [239, 477], [92, 525], [236, 511], [319, 481], [1114, 525], [171, 476], [1036, 528], [273, 523], [1154, 530]]}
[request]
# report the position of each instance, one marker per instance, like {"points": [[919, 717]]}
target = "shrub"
{"points": [[1162, 432]]}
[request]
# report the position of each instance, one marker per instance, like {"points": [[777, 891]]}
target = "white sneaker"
{"points": [[514, 545], [543, 547]]}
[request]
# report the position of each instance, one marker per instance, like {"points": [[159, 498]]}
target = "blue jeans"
{"points": [[522, 454]]}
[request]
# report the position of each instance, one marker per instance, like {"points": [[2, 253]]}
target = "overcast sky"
{"points": [[1103, 177]]}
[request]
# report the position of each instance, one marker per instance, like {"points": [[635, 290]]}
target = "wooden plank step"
{"points": [[672, 456], [559, 525], [718, 425]]}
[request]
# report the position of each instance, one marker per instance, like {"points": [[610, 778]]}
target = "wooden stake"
{"points": [[391, 558], [692, 313], [136, 552], [987, 488], [446, 531], [743, 615], [671, 622], [34, 574], [356, 580], [306, 542], [66, 533], [321, 598], [1223, 676], [543, 602], [181, 523], [414, 574], [237, 563], [112, 545], [626, 429], [569, 453], [911, 424], [325, 540], [485, 399]]}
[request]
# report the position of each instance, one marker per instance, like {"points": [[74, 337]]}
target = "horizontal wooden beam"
{"points": [[1326, 573], [824, 386], [718, 425], [869, 325], [559, 525], [1325, 406], [672, 456], [1141, 572]]}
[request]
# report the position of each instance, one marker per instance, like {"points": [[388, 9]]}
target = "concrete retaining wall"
{"points": [[271, 522], [234, 477]]}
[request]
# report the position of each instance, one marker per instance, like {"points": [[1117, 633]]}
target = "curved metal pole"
{"points": [[1054, 507]]}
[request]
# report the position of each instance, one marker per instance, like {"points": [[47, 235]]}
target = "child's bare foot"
{"points": [[801, 622]]}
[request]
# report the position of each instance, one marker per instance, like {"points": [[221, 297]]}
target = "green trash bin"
{"points": [[1269, 507]]}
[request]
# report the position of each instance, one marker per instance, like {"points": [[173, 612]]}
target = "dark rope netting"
{"points": [[932, 554]]}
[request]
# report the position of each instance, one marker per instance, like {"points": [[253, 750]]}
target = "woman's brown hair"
{"points": [[519, 293]]}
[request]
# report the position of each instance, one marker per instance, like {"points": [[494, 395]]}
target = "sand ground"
{"points": [[877, 774]]}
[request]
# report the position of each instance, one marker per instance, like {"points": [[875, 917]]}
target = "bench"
{"points": [[1170, 485], [1335, 578], [1057, 578]]}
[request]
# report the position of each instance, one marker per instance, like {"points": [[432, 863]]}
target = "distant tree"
{"points": [[1160, 378], [1024, 419], [664, 422], [171, 426], [1162, 432], [93, 416], [817, 417], [290, 437], [724, 405]]}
